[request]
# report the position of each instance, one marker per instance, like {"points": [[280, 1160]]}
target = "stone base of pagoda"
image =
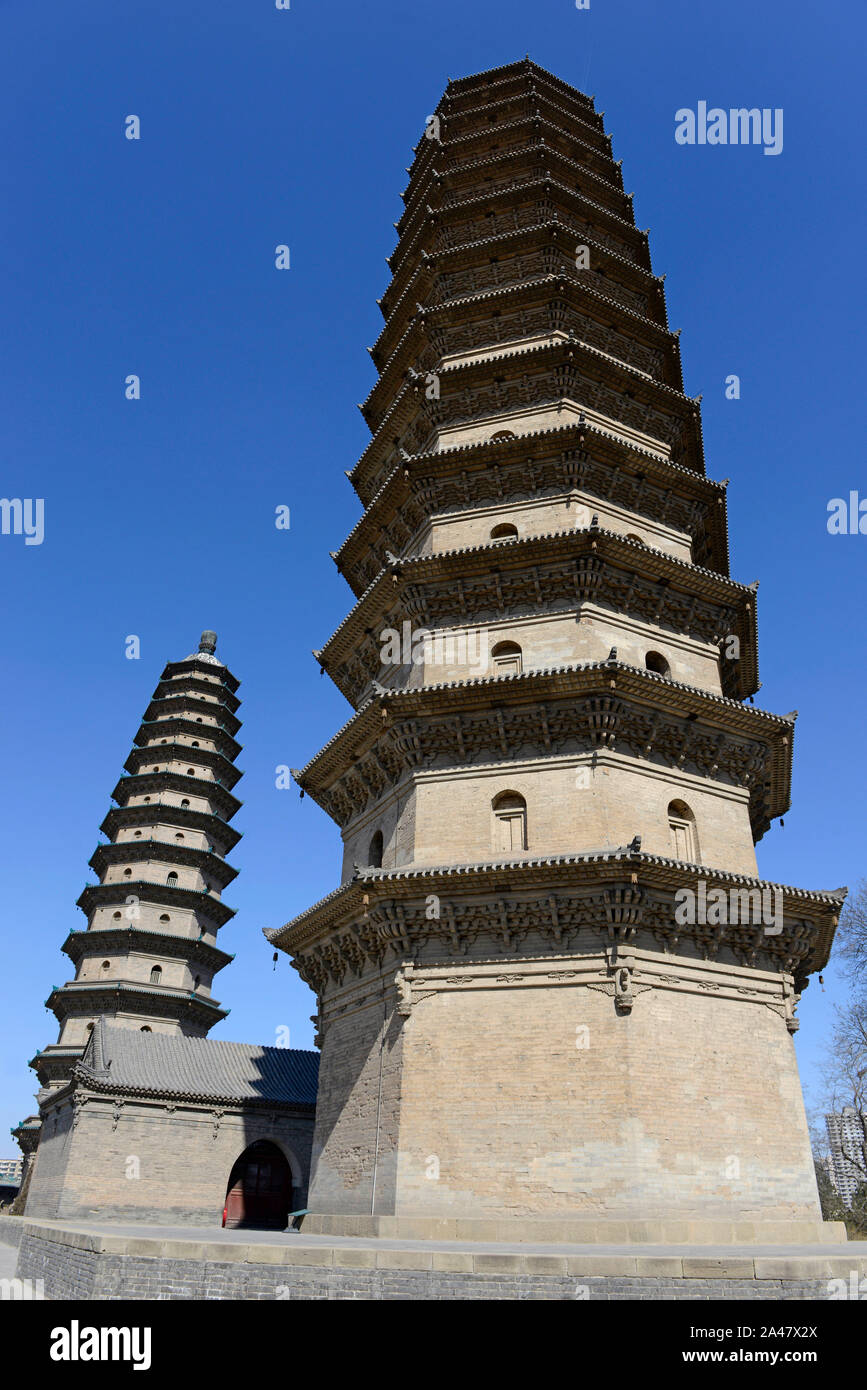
{"points": [[576, 1231], [600, 1084]]}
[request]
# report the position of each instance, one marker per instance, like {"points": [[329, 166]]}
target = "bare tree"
{"points": [[850, 946], [845, 1070], [846, 1075]]}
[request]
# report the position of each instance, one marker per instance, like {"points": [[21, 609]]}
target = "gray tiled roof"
{"points": [[129, 1060]]}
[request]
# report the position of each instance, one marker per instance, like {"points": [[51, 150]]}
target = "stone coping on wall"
{"points": [[578, 1231], [121, 1263], [746, 1260]]}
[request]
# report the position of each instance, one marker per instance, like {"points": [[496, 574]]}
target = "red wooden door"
{"points": [[260, 1188]]}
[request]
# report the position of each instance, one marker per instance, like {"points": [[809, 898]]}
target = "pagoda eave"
{"points": [[358, 899], [122, 817], [518, 555], [195, 665], [578, 294], [227, 748], [183, 752], [470, 467], [167, 689], [560, 367], [166, 1002], [144, 939], [147, 890], [600, 708], [162, 851], [139, 782], [448, 175]]}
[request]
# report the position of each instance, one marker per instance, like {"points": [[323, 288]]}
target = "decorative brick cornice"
{"points": [[148, 890], [560, 571], [615, 894], [446, 276], [537, 377], [595, 705], [131, 939], [574, 303], [554, 460]]}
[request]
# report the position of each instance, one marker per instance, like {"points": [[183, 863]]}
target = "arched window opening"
{"points": [[631, 536], [178, 835], [127, 873], [115, 916], [185, 801], [106, 965], [137, 835], [682, 829], [374, 854], [145, 1029], [172, 879], [191, 772], [164, 917], [504, 434], [510, 823], [507, 659], [655, 661], [156, 974], [505, 532]]}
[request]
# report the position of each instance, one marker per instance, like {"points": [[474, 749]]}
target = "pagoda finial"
{"points": [[208, 642]]}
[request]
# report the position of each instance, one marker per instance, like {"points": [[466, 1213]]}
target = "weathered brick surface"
{"points": [[157, 1161], [576, 802], [84, 1274], [539, 516], [688, 1107]]}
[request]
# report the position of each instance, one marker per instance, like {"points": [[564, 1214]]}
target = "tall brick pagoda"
{"points": [[133, 1087], [513, 1020], [149, 952]]}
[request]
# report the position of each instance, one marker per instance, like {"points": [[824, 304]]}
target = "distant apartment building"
{"points": [[10, 1172], [846, 1135]]}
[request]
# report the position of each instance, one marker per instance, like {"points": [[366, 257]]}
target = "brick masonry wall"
{"points": [[68, 1271], [155, 1161], [578, 801], [49, 1165], [72, 1272], [689, 1107], [538, 516], [358, 1113]]}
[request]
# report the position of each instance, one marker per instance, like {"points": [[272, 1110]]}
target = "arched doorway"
{"points": [[260, 1188]]}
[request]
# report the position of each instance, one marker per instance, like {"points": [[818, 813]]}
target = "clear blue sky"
{"points": [[156, 258]]}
